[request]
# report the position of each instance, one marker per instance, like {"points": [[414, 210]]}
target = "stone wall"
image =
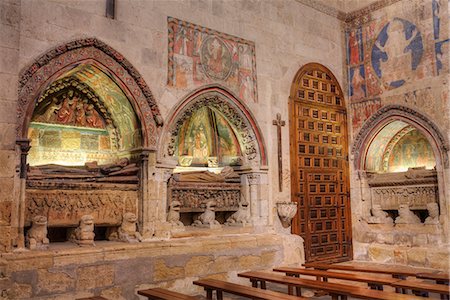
{"points": [[117, 270], [398, 56]]}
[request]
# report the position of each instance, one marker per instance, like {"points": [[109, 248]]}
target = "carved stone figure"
{"points": [[127, 231], [433, 214], [406, 216], [208, 217], [173, 216], [240, 217], [379, 216], [84, 234], [37, 235]]}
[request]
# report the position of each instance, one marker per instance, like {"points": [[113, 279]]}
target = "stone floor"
{"points": [[316, 295]]}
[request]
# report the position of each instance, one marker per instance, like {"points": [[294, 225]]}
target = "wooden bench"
{"points": [[92, 298], [219, 286], [163, 294], [418, 287], [336, 290], [374, 282], [440, 278], [395, 272]]}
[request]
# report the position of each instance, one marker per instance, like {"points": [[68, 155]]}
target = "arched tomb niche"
{"points": [[217, 152], [402, 155], [91, 122]]}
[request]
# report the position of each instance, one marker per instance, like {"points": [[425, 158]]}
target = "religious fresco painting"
{"points": [[361, 111], [199, 56], [440, 30], [412, 151], [355, 49], [398, 44], [385, 54], [207, 136], [357, 83]]}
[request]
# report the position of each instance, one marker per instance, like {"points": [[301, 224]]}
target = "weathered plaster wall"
{"points": [[398, 55]]}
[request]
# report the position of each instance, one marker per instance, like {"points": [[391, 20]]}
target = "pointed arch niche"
{"points": [[400, 156], [91, 122], [211, 132]]}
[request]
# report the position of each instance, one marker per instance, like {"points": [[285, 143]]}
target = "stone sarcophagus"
{"points": [[194, 189], [415, 188], [64, 194]]}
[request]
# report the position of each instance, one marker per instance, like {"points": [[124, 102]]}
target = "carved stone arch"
{"points": [[227, 104], [35, 78], [390, 113]]}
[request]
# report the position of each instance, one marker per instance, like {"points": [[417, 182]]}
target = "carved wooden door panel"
{"points": [[319, 165]]}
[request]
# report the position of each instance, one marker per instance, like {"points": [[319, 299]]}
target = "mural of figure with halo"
{"points": [[398, 45]]}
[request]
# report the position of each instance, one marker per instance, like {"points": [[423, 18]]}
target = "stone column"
{"points": [[143, 209], [24, 145], [159, 175], [255, 190]]}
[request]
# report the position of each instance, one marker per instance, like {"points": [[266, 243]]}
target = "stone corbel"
{"points": [[286, 212]]}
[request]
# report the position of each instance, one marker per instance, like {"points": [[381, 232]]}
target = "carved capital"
{"points": [[253, 179]]}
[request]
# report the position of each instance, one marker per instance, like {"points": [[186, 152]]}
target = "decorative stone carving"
{"points": [[64, 205], [406, 216], [37, 235], [433, 214], [232, 113], [379, 216], [416, 187], [208, 217], [173, 216], [241, 217], [84, 234], [385, 113], [286, 212], [127, 231]]}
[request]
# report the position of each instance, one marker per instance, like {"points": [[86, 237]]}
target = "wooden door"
{"points": [[319, 164]]}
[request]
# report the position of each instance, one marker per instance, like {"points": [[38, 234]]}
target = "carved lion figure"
{"points": [[127, 230], [173, 216], [406, 216], [84, 234], [433, 214], [208, 217], [379, 216], [37, 235], [241, 216]]}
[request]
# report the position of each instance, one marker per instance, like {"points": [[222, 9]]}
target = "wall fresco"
{"points": [[199, 56], [412, 150], [361, 111]]}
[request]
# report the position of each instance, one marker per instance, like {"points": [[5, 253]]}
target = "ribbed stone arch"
{"points": [[227, 104], [389, 114], [35, 78]]}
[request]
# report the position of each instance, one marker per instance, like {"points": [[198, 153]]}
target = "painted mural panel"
{"points": [[397, 47], [412, 150], [361, 111], [205, 135], [199, 56]]}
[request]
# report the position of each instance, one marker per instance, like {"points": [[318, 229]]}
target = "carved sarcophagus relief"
{"points": [[194, 189], [415, 188], [65, 194]]}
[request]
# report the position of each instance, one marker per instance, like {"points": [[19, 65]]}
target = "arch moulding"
{"points": [[231, 107], [398, 112], [35, 78]]}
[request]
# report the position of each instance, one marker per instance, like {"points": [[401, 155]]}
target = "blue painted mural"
{"points": [[397, 38], [442, 49]]}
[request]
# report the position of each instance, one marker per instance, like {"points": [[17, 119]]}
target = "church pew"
{"points": [[163, 294], [418, 287], [440, 278], [336, 290], [394, 271], [373, 281], [220, 287]]}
